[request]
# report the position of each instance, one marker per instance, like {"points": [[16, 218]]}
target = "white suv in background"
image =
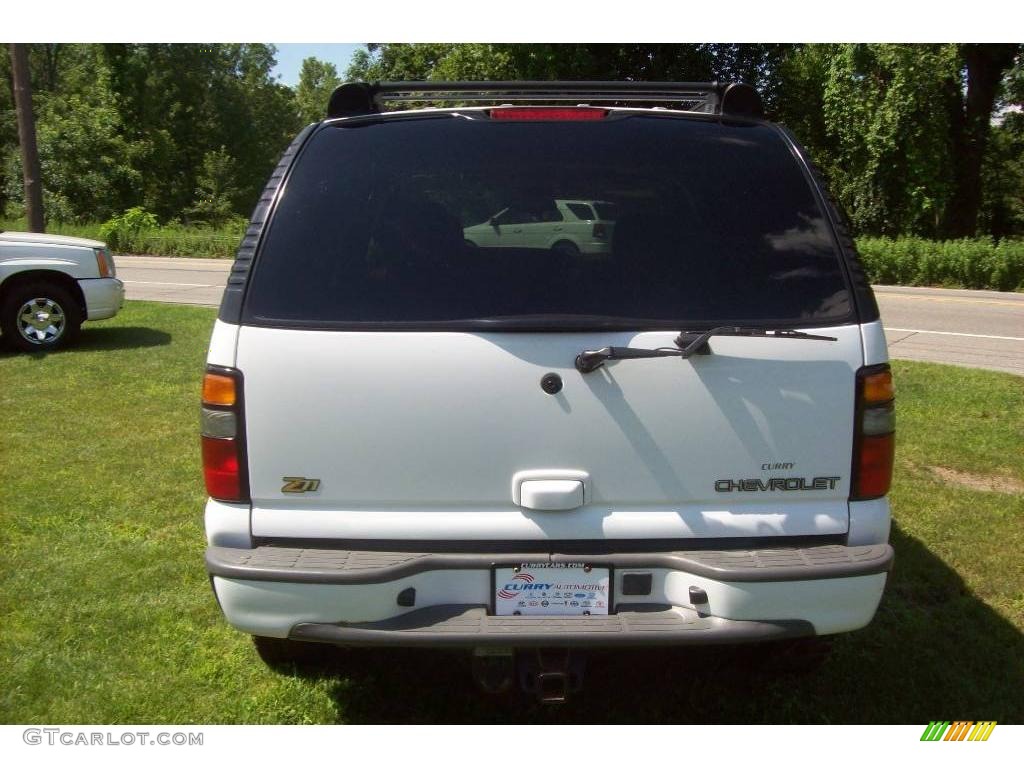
{"points": [[50, 284], [567, 226], [409, 440]]}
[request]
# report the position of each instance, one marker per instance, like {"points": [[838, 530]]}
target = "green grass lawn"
{"points": [[108, 617]]}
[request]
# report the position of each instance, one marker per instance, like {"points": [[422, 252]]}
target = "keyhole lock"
{"points": [[551, 383]]}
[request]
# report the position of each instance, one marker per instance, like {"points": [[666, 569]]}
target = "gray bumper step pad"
{"points": [[470, 626], [344, 566]]}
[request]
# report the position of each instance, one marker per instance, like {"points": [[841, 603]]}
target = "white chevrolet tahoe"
{"points": [[50, 284], [411, 441]]}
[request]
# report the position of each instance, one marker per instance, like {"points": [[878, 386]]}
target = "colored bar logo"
{"points": [[959, 730]]}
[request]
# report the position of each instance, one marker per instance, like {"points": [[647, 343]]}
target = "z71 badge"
{"points": [[300, 485]]}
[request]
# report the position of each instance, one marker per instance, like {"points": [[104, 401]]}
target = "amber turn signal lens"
{"points": [[218, 389], [878, 388], [101, 263]]}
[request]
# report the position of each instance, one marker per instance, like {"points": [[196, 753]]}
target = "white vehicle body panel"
{"points": [[227, 525], [73, 257], [104, 297], [870, 521], [34, 239], [222, 344], [419, 435], [876, 350]]}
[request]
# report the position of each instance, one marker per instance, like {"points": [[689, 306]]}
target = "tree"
{"points": [[902, 130], [887, 124], [216, 193], [27, 137], [1002, 211], [971, 105], [317, 80], [85, 159], [182, 101]]}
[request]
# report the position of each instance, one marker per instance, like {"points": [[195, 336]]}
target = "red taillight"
{"points": [[221, 468], [874, 466], [600, 231], [548, 113], [874, 434], [223, 436]]}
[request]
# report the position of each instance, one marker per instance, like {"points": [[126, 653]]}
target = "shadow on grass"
{"points": [[934, 651], [101, 339]]}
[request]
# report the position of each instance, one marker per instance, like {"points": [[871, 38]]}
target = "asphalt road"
{"points": [[982, 329]]}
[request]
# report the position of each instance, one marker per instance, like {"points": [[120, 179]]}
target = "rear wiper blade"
{"points": [[688, 343]]}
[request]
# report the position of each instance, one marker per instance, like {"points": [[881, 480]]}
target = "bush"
{"points": [[120, 231], [977, 263], [137, 231]]}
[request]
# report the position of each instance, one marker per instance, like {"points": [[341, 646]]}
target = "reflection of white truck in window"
{"points": [[568, 226]]}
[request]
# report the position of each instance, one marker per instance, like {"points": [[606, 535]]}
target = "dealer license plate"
{"points": [[551, 589]]}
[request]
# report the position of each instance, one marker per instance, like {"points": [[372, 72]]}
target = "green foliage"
{"points": [[977, 263], [754, 63], [886, 105], [120, 230], [122, 125], [84, 158], [317, 80], [181, 102], [1002, 211], [175, 239], [137, 231], [215, 189]]}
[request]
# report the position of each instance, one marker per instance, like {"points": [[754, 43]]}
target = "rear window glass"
{"points": [[581, 211], [446, 219]]}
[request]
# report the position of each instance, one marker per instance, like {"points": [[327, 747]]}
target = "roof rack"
{"points": [[737, 99]]}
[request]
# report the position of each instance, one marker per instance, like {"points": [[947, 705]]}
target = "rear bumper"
{"points": [[595, 247], [351, 597], [467, 625]]}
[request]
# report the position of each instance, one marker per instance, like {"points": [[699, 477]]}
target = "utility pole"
{"points": [[27, 136]]}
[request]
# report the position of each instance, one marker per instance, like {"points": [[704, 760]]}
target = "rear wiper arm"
{"points": [[590, 360], [689, 343]]}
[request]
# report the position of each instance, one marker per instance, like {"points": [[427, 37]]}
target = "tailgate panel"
{"points": [[418, 435]]}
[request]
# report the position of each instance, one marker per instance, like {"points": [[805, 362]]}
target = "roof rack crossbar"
{"points": [[359, 98]]}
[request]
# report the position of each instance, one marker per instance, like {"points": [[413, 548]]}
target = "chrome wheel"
{"points": [[41, 321]]}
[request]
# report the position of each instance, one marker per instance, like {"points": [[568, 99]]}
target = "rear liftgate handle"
{"points": [[549, 490]]}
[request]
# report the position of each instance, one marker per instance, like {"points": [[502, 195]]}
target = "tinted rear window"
{"points": [[442, 219], [581, 211]]}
